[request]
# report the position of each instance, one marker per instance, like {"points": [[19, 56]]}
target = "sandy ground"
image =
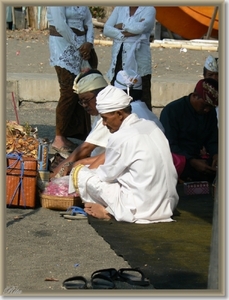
{"points": [[27, 51]]}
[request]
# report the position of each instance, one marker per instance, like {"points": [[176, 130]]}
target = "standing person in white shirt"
{"points": [[71, 38], [137, 182], [130, 28]]}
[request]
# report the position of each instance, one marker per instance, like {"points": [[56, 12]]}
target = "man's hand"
{"points": [[63, 169], [128, 34], [215, 161], [125, 33], [118, 26], [85, 50], [202, 166]]}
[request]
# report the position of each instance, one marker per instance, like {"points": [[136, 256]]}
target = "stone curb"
{"points": [[44, 88], [170, 43]]}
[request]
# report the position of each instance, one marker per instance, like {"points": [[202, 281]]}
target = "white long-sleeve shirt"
{"points": [[137, 182], [141, 110], [64, 50], [142, 24], [100, 135]]}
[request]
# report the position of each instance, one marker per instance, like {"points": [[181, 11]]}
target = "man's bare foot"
{"points": [[97, 210]]}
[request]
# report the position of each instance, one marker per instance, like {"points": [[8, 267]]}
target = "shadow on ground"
{"points": [[172, 255]]}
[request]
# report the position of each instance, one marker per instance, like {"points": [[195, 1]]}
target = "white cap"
{"points": [[111, 99], [211, 64], [89, 83], [125, 79]]}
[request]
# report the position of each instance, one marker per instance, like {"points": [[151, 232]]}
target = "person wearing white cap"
{"points": [[131, 83], [137, 182], [211, 70], [87, 85]]}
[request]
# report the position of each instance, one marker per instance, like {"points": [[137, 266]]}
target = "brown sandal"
{"points": [[65, 149]]}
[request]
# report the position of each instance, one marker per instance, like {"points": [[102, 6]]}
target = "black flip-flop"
{"points": [[112, 273], [133, 277], [76, 282], [100, 281]]}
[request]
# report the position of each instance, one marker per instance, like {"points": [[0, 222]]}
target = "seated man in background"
{"points": [[137, 182], [210, 70], [190, 124], [132, 85], [87, 86]]}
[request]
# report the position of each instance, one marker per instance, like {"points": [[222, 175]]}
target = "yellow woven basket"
{"points": [[59, 203]]}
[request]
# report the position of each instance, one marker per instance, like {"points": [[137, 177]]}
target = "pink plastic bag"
{"points": [[179, 163], [59, 187]]}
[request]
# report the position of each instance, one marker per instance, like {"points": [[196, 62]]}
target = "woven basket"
{"points": [[59, 203]]}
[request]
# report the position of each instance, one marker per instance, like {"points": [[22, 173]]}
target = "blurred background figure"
{"points": [[130, 28]]}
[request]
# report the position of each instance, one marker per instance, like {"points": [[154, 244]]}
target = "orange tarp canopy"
{"points": [[190, 22]]}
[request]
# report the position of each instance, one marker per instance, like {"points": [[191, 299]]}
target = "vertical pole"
{"points": [[212, 22], [27, 16], [13, 18], [15, 108]]}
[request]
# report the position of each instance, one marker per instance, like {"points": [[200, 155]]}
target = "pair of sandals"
{"points": [[105, 279], [65, 149], [74, 213]]}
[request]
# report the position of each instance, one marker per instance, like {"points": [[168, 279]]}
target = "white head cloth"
{"points": [[211, 64], [89, 83], [111, 99], [128, 79]]}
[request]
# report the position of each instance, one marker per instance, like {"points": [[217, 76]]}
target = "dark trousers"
{"points": [[71, 118], [191, 174], [146, 81]]}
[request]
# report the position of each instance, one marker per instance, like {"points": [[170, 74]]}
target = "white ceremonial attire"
{"points": [[136, 50], [64, 50], [137, 182], [141, 110], [98, 136]]}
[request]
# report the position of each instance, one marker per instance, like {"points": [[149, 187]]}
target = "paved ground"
{"points": [[40, 244], [27, 52]]}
